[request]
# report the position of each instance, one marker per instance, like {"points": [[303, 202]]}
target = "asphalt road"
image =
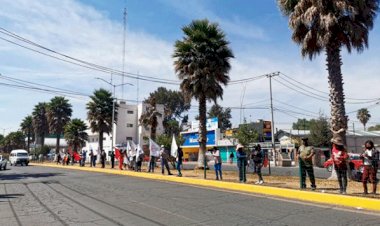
{"points": [[47, 196]]}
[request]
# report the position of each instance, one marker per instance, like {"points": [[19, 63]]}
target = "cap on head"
{"points": [[337, 141], [162, 146], [239, 146]]}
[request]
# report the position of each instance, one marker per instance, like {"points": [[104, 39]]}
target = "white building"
{"points": [[127, 128]]}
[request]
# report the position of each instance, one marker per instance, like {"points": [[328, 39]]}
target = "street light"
{"points": [[113, 104]]}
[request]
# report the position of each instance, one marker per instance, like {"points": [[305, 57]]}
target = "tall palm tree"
{"points": [[330, 25], [363, 115], [40, 123], [150, 117], [202, 62], [75, 133], [99, 113], [27, 127], [58, 114]]}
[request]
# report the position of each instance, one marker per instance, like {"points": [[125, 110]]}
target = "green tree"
{"points": [[202, 63], [172, 127], [301, 124], [363, 115], [75, 133], [58, 114], [40, 123], [329, 26], [27, 127], [320, 133], [14, 140], [150, 117], [166, 140], [99, 113], [371, 128], [223, 115], [246, 135]]}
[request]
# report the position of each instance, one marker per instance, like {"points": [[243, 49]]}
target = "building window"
{"points": [[129, 138], [130, 112], [104, 138], [129, 125]]}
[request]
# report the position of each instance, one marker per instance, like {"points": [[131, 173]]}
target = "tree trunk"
{"points": [[101, 141], [153, 129], [42, 139], [338, 111], [57, 143], [202, 132]]}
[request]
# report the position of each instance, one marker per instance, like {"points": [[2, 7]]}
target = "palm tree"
{"points": [[40, 123], [75, 133], [99, 113], [329, 26], [363, 115], [150, 117], [27, 127], [202, 62], [58, 114]]}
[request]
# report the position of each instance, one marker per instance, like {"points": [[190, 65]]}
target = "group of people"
{"points": [[370, 157], [256, 157]]}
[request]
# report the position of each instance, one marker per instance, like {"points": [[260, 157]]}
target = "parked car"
{"points": [[355, 162], [19, 156], [3, 163]]}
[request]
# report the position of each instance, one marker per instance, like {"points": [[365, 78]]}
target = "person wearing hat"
{"points": [[340, 157], [164, 160], [306, 154], [241, 163]]}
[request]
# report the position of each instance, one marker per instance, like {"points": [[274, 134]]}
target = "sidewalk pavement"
{"points": [[309, 196]]}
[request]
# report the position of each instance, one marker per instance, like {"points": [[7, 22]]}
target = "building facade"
{"points": [[127, 127]]}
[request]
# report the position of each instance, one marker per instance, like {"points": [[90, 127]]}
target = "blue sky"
{"points": [[92, 30]]}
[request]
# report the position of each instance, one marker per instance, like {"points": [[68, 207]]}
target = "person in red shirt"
{"points": [[339, 157]]}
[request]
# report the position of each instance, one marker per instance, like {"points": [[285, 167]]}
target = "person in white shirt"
{"points": [[370, 160], [217, 163]]}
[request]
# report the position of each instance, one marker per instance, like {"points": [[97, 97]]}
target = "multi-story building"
{"points": [[127, 127]]}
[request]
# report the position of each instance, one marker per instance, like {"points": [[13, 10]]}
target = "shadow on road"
{"points": [[29, 175], [9, 196]]}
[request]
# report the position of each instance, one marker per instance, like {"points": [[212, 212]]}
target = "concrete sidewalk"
{"points": [[309, 196]]}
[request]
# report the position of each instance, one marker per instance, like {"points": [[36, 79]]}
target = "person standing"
{"points": [[179, 161], [370, 163], [152, 163], [258, 160], [164, 160], [306, 154], [241, 163], [121, 159], [217, 163], [112, 157], [339, 157], [103, 158], [91, 157], [231, 157]]}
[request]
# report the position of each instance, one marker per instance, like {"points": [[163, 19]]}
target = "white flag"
{"points": [[154, 148], [129, 150], [174, 148], [139, 150]]}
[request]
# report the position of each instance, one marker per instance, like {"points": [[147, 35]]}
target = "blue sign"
{"points": [[191, 139]]}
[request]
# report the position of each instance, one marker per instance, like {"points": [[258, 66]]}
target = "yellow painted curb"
{"points": [[317, 197]]}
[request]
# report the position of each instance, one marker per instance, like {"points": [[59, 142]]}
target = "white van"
{"points": [[19, 157]]}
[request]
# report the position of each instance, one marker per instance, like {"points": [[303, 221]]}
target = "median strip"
{"points": [[317, 197]]}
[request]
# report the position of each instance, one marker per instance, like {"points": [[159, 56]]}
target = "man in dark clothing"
{"points": [[112, 156], [164, 160], [152, 164], [103, 158], [305, 158], [241, 163], [179, 161], [258, 160]]}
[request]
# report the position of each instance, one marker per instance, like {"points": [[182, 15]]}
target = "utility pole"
{"points": [[124, 31], [271, 109], [353, 129]]}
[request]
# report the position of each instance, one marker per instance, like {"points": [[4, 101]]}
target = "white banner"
{"points": [[174, 148], [154, 148], [139, 150]]}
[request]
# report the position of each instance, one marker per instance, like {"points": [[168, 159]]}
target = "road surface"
{"points": [[48, 196]]}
